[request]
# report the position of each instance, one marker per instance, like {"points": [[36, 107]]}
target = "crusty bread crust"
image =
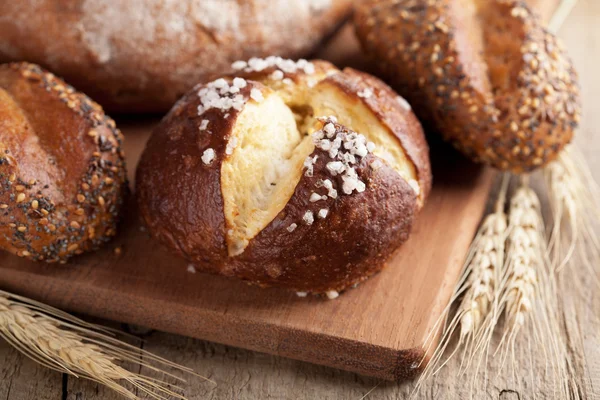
{"points": [[181, 197], [509, 98], [142, 55], [62, 171]]}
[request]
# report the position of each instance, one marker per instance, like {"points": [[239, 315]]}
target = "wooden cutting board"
{"points": [[377, 329]]}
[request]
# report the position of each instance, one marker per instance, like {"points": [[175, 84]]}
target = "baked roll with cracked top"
{"points": [[288, 174], [62, 172], [483, 73]]}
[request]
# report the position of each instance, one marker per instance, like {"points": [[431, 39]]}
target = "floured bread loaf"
{"points": [[142, 55]]}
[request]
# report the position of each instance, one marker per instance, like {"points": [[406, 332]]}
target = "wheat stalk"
{"points": [[525, 255], [66, 344], [575, 200], [529, 296], [474, 294]]}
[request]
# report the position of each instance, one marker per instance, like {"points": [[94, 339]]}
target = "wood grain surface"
{"points": [[242, 374], [378, 329]]}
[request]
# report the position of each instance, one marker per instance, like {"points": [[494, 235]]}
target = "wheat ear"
{"points": [[528, 296], [575, 201], [474, 293], [66, 344]]}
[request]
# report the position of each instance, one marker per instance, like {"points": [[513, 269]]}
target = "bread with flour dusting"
{"points": [[142, 55]]}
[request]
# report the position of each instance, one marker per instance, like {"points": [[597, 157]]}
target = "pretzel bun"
{"points": [[62, 173], [244, 178], [143, 55], [485, 74]]}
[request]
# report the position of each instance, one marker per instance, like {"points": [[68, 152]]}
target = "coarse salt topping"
{"points": [[208, 156], [332, 294], [203, 124], [284, 65], [221, 95], [256, 95], [344, 148], [309, 163], [403, 103], [308, 218], [292, 227], [231, 144], [366, 93]]}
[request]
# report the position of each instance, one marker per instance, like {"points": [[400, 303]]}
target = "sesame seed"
{"points": [[20, 197], [3, 206], [80, 211], [22, 228], [101, 200], [73, 247], [34, 204], [80, 198], [19, 188], [25, 253]]}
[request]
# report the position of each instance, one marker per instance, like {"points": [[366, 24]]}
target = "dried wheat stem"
{"points": [[575, 200], [66, 344], [525, 255], [475, 292]]}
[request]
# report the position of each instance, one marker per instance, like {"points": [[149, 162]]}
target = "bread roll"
{"points": [[262, 176], [62, 172], [142, 55], [485, 74]]}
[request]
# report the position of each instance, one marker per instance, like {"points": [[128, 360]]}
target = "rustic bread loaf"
{"points": [[142, 55], [485, 74], [261, 175], [62, 173]]}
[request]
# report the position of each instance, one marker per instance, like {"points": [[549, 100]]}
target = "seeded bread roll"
{"points": [[261, 175], [143, 55], [485, 74], [62, 174]]}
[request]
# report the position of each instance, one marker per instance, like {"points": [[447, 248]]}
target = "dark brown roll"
{"points": [[484, 74], [62, 171], [288, 174]]}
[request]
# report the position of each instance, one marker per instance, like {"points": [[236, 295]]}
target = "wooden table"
{"points": [[242, 374]]}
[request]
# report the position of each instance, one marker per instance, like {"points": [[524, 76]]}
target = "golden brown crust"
{"points": [[142, 55], [515, 105], [181, 197], [62, 171]]}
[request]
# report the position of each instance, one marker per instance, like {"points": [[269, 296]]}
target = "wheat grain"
{"points": [[525, 255], [486, 265], [474, 294], [66, 344]]}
